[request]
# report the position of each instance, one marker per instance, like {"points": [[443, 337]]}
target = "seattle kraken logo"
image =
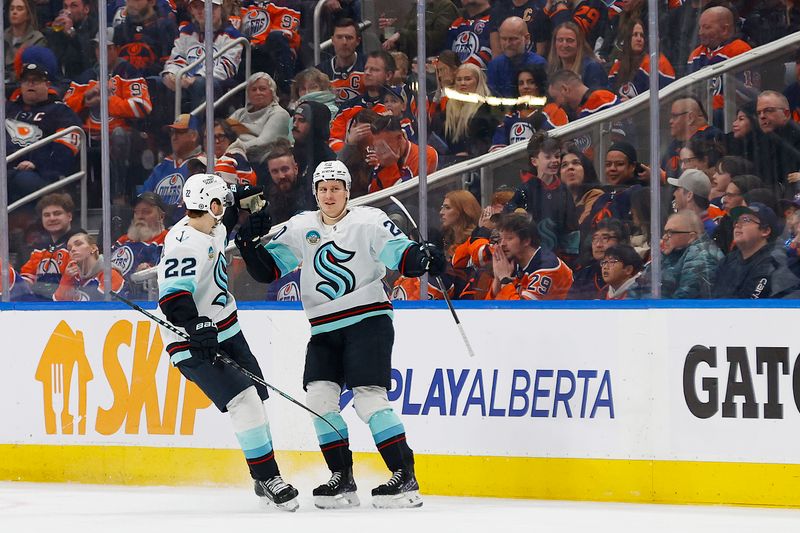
{"points": [[337, 279], [221, 281]]}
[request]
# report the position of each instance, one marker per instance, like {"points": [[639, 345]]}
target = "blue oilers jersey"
{"points": [[469, 39], [343, 265], [167, 178]]}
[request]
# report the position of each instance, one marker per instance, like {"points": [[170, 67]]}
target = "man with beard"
{"points": [[145, 37], [141, 247], [288, 196], [311, 130]]}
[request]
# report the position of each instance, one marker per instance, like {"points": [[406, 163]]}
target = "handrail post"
{"points": [[317, 30], [729, 96], [4, 268], [84, 180]]}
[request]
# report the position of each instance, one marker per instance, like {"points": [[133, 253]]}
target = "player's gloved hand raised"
{"points": [[202, 338], [256, 226], [436, 263], [248, 197]]}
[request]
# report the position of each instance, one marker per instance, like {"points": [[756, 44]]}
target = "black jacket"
{"points": [[760, 276]]}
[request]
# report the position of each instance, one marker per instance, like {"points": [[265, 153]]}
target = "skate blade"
{"points": [[340, 501], [290, 506], [403, 500]]}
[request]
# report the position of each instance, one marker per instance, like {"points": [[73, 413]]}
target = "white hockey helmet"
{"points": [[201, 189], [331, 170]]}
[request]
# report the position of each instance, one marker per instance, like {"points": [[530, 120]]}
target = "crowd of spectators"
{"points": [[562, 230]]}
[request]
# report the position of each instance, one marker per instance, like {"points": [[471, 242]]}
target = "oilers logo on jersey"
{"points": [[466, 44], [337, 280], [122, 259], [198, 52], [255, 22], [21, 133], [170, 188], [628, 90], [349, 88], [289, 293], [521, 131], [49, 266]]}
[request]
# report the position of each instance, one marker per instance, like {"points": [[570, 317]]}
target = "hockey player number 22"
{"points": [[188, 265]]}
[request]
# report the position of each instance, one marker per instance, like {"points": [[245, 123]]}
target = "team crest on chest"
{"points": [[210, 253], [337, 279]]}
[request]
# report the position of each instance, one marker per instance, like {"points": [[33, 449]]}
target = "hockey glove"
{"points": [[437, 263], [248, 197], [256, 226], [202, 338]]}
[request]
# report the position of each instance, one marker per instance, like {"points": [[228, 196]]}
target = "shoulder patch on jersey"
{"points": [[313, 237], [210, 253]]}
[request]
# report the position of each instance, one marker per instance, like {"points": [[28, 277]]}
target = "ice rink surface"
{"points": [[68, 508]]}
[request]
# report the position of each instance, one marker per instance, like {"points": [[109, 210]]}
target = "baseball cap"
{"points": [[764, 214], [626, 148], [185, 121], [694, 181], [794, 201], [109, 36], [32, 69], [152, 199]]}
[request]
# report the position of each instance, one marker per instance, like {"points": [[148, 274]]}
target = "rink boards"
{"points": [[642, 404]]}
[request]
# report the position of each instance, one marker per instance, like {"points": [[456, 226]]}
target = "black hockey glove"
{"points": [[248, 197], [202, 338], [423, 257], [256, 226], [437, 264]]}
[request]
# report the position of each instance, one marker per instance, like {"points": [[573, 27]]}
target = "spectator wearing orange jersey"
{"points": [[523, 270], [569, 91], [395, 158], [48, 260]]}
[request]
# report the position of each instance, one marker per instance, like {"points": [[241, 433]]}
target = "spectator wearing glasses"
{"points": [[621, 266], [523, 269], [750, 270], [690, 259], [781, 150], [687, 121], [588, 283]]}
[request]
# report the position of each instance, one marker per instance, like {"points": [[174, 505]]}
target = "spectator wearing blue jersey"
{"points": [[570, 51], [140, 248], [502, 70], [168, 177]]}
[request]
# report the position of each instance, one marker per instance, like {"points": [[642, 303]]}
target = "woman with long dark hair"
{"points": [[630, 74], [527, 118]]}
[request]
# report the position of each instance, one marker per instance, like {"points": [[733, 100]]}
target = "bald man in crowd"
{"points": [[503, 69], [687, 121], [780, 154], [717, 43]]}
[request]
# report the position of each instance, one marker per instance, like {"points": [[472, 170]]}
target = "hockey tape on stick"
{"points": [[224, 357], [470, 351]]}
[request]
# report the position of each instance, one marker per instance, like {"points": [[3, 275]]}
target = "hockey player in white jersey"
{"points": [[193, 294], [344, 251]]}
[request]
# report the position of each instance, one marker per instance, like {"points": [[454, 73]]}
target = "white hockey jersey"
{"points": [[343, 265], [194, 262]]}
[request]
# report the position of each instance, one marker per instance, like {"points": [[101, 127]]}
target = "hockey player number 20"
{"points": [[188, 265]]}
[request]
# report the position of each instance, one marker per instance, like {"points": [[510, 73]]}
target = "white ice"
{"points": [[68, 508]]}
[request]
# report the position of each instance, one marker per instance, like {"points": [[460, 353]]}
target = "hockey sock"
{"points": [[336, 451], [252, 431], [390, 438]]}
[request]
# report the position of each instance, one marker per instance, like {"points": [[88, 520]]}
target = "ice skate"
{"points": [[277, 492], [402, 490], [338, 493]]}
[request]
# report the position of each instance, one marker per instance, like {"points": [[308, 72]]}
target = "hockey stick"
{"points": [[224, 357], [470, 351]]}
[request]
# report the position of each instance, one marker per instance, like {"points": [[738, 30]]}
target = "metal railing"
{"points": [[244, 41], [486, 163], [80, 175]]}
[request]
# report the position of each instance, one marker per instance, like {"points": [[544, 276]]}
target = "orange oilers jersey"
{"points": [[46, 264], [408, 289], [128, 99], [545, 277], [235, 166], [596, 100], [258, 21], [404, 170], [340, 124]]}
